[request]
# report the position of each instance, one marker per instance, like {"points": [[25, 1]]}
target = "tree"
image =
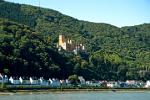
{"points": [[73, 80]]}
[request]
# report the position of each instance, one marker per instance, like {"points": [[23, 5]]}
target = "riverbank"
{"points": [[30, 91]]}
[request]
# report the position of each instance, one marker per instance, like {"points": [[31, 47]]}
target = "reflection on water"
{"points": [[80, 96]]}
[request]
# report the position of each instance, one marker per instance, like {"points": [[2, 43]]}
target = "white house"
{"points": [[21, 80], [11, 80], [3, 78], [55, 82], [147, 85], [43, 82], [112, 84], [82, 80]]}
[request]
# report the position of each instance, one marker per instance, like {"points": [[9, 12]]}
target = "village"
{"points": [[54, 82]]}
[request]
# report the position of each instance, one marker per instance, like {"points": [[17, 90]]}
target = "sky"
{"points": [[116, 12]]}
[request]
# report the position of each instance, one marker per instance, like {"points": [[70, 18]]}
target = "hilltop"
{"points": [[29, 36]]}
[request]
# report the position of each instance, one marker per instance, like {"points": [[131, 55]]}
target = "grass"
{"points": [[35, 88]]}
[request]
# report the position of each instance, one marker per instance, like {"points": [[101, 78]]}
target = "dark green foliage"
{"points": [[24, 53], [28, 37], [73, 79]]}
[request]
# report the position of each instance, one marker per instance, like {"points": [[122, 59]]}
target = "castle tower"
{"points": [[62, 43], [61, 40]]}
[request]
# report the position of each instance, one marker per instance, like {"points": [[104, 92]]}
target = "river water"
{"points": [[79, 96]]}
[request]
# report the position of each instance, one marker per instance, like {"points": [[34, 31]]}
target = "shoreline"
{"points": [[13, 92]]}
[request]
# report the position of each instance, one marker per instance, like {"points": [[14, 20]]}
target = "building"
{"points": [[82, 80], [147, 85], [69, 45]]}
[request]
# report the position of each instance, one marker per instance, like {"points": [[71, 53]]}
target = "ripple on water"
{"points": [[79, 96]]}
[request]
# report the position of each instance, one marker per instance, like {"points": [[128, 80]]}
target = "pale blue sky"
{"points": [[115, 12]]}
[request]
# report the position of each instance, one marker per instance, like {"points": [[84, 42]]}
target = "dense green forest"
{"points": [[29, 34]]}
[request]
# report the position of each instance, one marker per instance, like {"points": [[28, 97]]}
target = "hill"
{"points": [[112, 53]]}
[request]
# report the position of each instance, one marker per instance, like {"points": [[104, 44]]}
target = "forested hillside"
{"points": [[28, 38]]}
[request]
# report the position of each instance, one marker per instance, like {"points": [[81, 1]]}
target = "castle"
{"points": [[69, 45]]}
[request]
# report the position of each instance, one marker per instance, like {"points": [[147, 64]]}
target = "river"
{"points": [[79, 96]]}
